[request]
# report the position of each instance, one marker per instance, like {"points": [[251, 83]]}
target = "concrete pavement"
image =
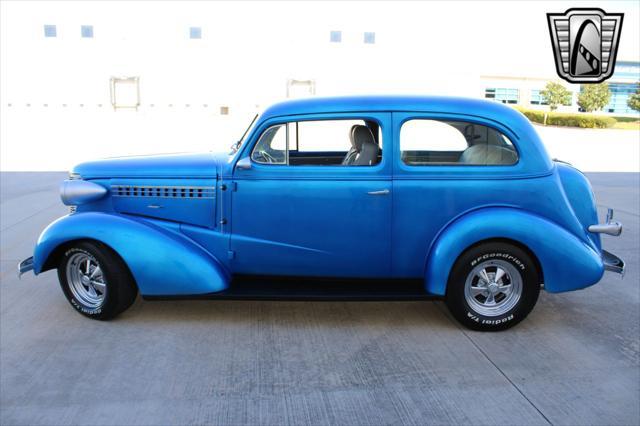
{"points": [[575, 360]]}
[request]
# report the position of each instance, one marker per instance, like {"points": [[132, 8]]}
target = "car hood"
{"points": [[203, 165]]}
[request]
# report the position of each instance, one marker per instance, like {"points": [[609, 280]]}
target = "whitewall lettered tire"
{"points": [[493, 286], [95, 280]]}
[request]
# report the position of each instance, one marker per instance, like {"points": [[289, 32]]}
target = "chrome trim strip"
{"points": [[381, 192], [612, 263], [25, 266], [210, 188], [150, 191]]}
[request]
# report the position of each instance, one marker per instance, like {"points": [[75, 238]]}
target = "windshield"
{"points": [[236, 145]]}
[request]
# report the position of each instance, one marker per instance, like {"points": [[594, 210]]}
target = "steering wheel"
{"points": [[470, 133], [264, 154]]}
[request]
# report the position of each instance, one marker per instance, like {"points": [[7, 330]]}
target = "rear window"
{"points": [[439, 142]]}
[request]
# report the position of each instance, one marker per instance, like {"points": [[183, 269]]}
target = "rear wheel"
{"points": [[492, 286], [95, 280]]}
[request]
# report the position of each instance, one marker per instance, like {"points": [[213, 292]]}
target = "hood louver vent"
{"points": [[163, 191]]}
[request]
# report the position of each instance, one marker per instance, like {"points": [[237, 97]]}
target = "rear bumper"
{"points": [[612, 263], [612, 228], [25, 266], [609, 227]]}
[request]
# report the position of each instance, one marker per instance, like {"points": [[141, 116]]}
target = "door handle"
{"points": [[381, 192]]}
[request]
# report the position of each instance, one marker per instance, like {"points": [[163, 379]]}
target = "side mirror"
{"points": [[244, 163]]}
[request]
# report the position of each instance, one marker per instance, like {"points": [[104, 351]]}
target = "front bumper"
{"points": [[612, 263], [25, 266]]}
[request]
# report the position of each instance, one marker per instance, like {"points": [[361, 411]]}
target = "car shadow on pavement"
{"points": [[293, 313]]}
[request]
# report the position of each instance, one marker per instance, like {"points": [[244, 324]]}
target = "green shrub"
{"points": [[533, 115], [583, 120]]}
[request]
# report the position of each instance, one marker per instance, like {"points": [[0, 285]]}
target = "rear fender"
{"points": [[162, 260], [567, 262]]}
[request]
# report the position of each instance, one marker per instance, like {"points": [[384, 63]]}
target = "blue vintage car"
{"points": [[384, 196]]}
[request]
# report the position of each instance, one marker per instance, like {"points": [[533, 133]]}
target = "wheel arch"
{"points": [[161, 260], [55, 256], [536, 262], [564, 261]]}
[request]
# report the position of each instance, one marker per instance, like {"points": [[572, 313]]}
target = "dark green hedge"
{"points": [[583, 120]]}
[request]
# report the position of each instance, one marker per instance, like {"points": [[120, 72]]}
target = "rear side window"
{"points": [[439, 142]]}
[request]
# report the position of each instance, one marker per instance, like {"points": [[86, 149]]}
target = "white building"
{"points": [[203, 68], [525, 91]]}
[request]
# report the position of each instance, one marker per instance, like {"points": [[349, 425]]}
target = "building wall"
{"points": [[524, 91], [205, 68]]}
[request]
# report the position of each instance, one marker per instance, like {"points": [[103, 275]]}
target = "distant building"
{"points": [[525, 91], [624, 82]]}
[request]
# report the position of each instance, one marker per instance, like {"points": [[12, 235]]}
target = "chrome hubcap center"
{"points": [[86, 280], [493, 287]]}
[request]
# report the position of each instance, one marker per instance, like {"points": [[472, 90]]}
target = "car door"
{"points": [[297, 211], [442, 170]]}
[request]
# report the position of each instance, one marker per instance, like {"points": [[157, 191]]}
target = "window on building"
{"points": [[50, 31], [86, 31], [435, 142], [195, 32], [299, 88], [620, 93], [506, 96], [626, 70], [335, 36], [320, 143], [125, 92], [369, 38], [537, 98]]}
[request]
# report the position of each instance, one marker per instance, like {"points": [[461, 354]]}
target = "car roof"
{"points": [[441, 104]]}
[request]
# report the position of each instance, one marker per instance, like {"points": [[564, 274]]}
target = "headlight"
{"points": [[76, 192]]}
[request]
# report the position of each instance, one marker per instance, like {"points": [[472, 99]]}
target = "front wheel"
{"points": [[95, 280], [492, 286]]}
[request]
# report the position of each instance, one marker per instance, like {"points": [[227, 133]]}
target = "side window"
{"points": [[324, 136], [320, 143], [439, 142], [271, 148]]}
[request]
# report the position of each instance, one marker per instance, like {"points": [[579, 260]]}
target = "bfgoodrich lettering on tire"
{"points": [[95, 280], [492, 286]]}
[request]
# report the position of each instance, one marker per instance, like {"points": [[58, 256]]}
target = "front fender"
{"points": [[162, 260], [567, 262]]}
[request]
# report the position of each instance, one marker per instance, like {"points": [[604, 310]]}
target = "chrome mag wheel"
{"points": [[86, 280], [493, 287]]}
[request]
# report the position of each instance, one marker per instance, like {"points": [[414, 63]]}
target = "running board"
{"points": [[314, 289]]}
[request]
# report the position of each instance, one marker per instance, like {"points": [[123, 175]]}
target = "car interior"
{"points": [[478, 145], [485, 146], [362, 148]]}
